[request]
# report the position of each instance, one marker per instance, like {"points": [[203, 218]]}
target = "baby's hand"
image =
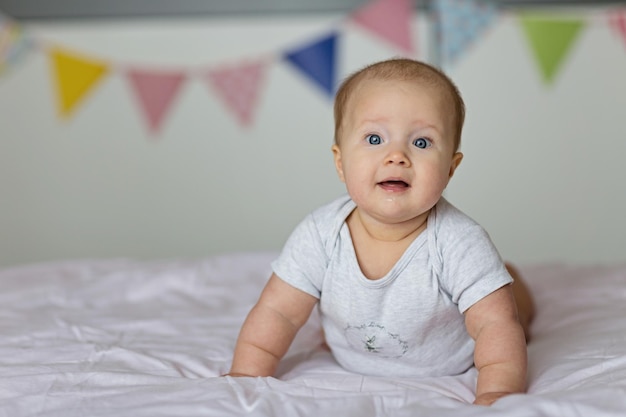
{"points": [[489, 398]]}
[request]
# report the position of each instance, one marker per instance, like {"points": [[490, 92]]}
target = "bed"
{"points": [[123, 337]]}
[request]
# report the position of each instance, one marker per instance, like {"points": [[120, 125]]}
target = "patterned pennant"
{"points": [[390, 20], [550, 40], [155, 90], [238, 87], [317, 62], [617, 21], [459, 24], [75, 76], [13, 43]]}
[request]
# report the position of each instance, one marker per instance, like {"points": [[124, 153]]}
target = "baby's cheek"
{"points": [[355, 190]]}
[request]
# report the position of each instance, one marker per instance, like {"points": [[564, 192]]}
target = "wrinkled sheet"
{"points": [[130, 338]]}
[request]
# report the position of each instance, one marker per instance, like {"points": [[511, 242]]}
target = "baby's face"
{"points": [[396, 154]]}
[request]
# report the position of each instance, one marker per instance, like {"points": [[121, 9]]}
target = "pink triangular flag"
{"points": [[389, 19], [238, 86], [155, 90], [617, 20]]}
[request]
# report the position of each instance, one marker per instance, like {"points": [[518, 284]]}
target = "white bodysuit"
{"points": [[409, 322]]}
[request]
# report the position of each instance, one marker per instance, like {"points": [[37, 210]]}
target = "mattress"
{"points": [[123, 337]]}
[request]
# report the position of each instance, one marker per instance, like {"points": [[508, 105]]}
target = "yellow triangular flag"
{"points": [[75, 76]]}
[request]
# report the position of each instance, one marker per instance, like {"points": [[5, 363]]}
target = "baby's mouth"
{"points": [[394, 185]]}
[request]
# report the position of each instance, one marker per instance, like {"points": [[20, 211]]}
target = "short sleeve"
{"points": [[472, 267], [303, 261]]}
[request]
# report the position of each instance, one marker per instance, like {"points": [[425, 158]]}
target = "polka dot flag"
{"points": [[459, 23], [14, 43], [239, 87]]}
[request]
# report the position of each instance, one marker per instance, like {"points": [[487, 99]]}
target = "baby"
{"points": [[407, 284]]}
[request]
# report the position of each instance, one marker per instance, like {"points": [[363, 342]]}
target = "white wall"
{"points": [[542, 169], [544, 166]]}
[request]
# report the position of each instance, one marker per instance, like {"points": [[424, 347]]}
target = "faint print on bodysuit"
{"points": [[374, 338]]}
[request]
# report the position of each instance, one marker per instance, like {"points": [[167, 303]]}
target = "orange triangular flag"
{"points": [[75, 76]]}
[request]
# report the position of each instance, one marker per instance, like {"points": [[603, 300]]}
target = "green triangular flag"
{"points": [[550, 40]]}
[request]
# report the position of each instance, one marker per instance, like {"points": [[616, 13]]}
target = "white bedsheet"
{"points": [[127, 338]]}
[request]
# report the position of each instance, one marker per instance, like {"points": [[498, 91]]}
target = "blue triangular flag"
{"points": [[317, 61], [459, 23]]}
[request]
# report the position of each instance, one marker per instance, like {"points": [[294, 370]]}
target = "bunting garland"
{"points": [[239, 86], [155, 91], [75, 76], [617, 21], [550, 39], [459, 23], [390, 20], [14, 43], [317, 62]]}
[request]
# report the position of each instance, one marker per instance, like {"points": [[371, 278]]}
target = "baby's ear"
{"points": [[456, 161], [338, 164]]}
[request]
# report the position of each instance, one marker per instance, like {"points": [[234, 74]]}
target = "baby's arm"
{"points": [[500, 352], [270, 328]]}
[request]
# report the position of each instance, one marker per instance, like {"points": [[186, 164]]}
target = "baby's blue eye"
{"points": [[422, 143], [374, 140]]}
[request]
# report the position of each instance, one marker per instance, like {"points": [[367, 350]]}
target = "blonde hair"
{"points": [[401, 69]]}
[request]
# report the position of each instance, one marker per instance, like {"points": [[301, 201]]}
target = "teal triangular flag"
{"points": [[317, 61]]}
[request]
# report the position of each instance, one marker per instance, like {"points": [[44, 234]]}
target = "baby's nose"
{"points": [[397, 157]]}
